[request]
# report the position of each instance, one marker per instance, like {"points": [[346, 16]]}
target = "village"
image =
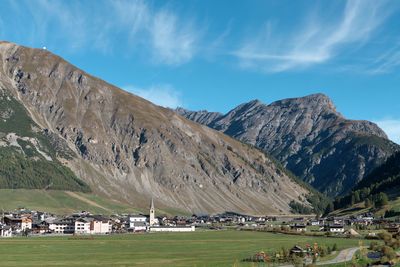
{"points": [[24, 222], [329, 234]]}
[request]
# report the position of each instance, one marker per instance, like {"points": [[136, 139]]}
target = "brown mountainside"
{"points": [[130, 149]]}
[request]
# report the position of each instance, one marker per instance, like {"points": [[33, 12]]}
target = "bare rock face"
{"points": [[309, 137], [129, 149]]}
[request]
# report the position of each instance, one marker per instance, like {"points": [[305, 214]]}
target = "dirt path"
{"points": [[344, 255], [88, 201]]}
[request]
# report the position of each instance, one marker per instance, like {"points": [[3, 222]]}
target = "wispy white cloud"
{"points": [[317, 42], [173, 42], [135, 16], [162, 95], [70, 20], [391, 127], [385, 63], [161, 34]]}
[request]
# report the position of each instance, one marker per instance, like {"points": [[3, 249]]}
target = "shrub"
{"points": [[373, 245], [388, 252]]}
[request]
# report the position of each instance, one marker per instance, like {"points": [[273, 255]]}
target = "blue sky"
{"points": [[217, 54]]}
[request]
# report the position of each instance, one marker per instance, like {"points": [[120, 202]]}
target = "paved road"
{"points": [[344, 256]]}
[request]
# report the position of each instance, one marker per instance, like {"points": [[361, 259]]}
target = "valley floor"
{"points": [[202, 248]]}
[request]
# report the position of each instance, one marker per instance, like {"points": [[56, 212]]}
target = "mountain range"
{"points": [[309, 136], [76, 132], [63, 129]]}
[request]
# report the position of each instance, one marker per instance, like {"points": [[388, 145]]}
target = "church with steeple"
{"points": [[152, 214], [154, 224]]}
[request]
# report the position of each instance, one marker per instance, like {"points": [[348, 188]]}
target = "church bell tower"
{"points": [[152, 214]]}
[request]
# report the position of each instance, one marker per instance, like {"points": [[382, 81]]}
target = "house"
{"points": [[314, 223], [298, 251], [5, 231], [99, 225], [299, 228], [82, 226], [132, 219], [139, 227], [26, 223], [40, 228], [336, 228], [137, 223], [92, 224], [393, 228], [60, 226], [18, 224]]}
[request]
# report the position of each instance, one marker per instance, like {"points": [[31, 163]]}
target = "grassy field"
{"points": [[202, 248], [59, 202]]}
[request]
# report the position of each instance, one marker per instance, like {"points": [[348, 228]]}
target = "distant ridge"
{"points": [[309, 136]]}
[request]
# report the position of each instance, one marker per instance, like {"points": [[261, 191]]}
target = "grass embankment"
{"points": [[60, 202], [360, 208], [202, 248]]}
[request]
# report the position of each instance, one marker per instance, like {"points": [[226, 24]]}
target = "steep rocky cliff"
{"points": [[309, 137], [129, 149]]}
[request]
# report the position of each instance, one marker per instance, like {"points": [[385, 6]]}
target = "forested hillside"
{"points": [[377, 188], [29, 156]]}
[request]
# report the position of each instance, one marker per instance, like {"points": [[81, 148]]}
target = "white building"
{"points": [[62, 226], [137, 223], [18, 224], [92, 225], [172, 229], [82, 226], [5, 231], [336, 228], [26, 224], [59, 227], [100, 226], [136, 218], [299, 228]]}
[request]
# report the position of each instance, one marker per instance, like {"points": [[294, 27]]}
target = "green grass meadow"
{"points": [[201, 248]]}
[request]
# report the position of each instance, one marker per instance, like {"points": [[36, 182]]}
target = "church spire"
{"points": [[152, 213]]}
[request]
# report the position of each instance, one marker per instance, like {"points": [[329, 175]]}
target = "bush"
{"points": [[385, 236], [388, 252], [374, 246], [297, 261]]}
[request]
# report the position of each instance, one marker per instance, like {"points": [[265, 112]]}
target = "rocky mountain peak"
{"points": [[310, 138], [250, 105], [315, 102], [254, 103]]}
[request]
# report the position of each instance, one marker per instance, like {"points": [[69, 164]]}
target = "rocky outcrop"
{"points": [[309, 137], [130, 149]]}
